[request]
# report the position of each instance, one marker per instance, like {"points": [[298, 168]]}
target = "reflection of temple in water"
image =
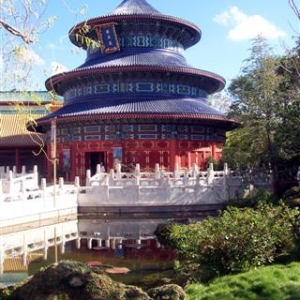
{"points": [[96, 238]]}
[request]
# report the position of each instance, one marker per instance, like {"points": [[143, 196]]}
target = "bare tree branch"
{"points": [[16, 32], [295, 8]]}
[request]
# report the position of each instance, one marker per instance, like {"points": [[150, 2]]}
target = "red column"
{"points": [[173, 154], [213, 151]]}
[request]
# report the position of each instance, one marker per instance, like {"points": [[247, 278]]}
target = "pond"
{"points": [[113, 242]]}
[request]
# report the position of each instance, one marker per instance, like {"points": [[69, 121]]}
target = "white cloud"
{"points": [[244, 27], [57, 68]]}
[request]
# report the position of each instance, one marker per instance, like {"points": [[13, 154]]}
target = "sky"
{"points": [[228, 28]]}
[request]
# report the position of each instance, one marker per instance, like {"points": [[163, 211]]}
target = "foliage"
{"points": [[292, 197], [238, 240], [254, 201], [256, 97], [23, 21], [271, 283], [266, 102]]}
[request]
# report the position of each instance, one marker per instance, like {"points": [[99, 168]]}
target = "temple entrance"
{"points": [[95, 158]]}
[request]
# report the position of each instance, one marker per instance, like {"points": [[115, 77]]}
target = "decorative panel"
{"points": [[93, 145], [147, 128], [163, 144], [199, 137], [147, 144], [198, 129], [148, 136]]}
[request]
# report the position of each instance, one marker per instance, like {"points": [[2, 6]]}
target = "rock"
{"points": [[167, 292], [72, 280]]}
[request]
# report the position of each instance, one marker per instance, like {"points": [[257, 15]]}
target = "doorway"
{"points": [[95, 158]]}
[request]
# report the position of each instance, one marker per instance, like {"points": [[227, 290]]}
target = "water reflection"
{"points": [[128, 242]]}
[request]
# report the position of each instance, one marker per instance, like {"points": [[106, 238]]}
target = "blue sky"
{"points": [[227, 29]]}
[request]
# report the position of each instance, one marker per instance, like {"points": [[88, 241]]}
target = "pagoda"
{"points": [[135, 99]]}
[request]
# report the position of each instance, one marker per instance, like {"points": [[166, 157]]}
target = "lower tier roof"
{"points": [[137, 108]]}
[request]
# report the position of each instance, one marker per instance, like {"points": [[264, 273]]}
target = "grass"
{"points": [[277, 282]]}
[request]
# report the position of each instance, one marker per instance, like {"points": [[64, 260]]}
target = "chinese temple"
{"points": [[135, 99]]}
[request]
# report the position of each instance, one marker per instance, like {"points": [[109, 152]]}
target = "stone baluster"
{"points": [[137, 174], [2, 172], [226, 170], [61, 183], [23, 170], [43, 188], [157, 172], [210, 173], [7, 172], [98, 169], [195, 170], [14, 170], [119, 174], [176, 171], [10, 182], [77, 182], [88, 178], [36, 175]]}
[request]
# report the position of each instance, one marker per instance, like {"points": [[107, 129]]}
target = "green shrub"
{"points": [[254, 200], [239, 239]]}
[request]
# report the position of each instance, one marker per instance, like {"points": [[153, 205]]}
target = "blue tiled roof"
{"points": [[183, 106], [134, 7], [137, 56]]}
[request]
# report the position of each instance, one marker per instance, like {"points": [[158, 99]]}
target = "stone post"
{"points": [[98, 169], [77, 182], [10, 182], [210, 174], [157, 172], [61, 183], [176, 171], [36, 176], [88, 178], [119, 174]]}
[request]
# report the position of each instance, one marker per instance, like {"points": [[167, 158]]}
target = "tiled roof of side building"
{"points": [[13, 131]]}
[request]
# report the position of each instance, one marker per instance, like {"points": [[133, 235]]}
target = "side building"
{"points": [[18, 146]]}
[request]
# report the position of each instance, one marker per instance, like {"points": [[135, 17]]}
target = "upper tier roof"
{"points": [[134, 11], [132, 7]]}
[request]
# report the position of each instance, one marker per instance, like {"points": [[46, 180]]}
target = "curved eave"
{"points": [[54, 82], [43, 124], [193, 28]]}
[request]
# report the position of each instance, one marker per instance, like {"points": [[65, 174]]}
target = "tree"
{"points": [[256, 98], [21, 23], [295, 8]]}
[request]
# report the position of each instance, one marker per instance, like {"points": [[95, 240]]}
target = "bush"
{"points": [[292, 197], [238, 240], [254, 200]]}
